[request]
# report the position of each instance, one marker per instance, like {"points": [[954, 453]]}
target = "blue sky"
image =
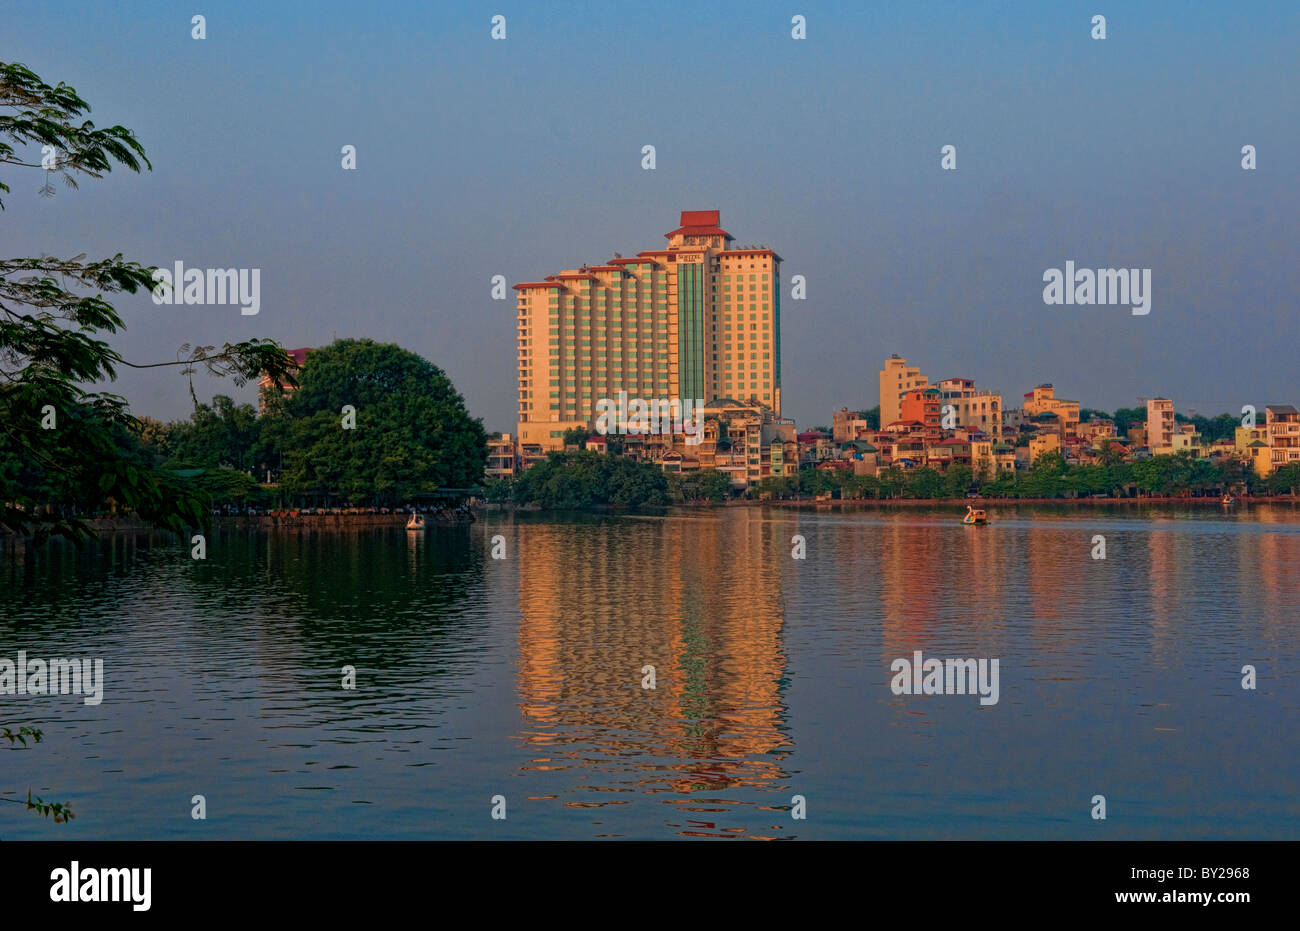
{"points": [[521, 157]]}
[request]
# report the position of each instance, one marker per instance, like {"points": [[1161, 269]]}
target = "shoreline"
{"points": [[294, 523], [326, 523], [1004, 502], [956, 503]]}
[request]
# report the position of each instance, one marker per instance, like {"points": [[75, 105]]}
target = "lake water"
{"points": [[522, 677]]}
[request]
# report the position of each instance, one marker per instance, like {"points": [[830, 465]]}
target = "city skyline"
{"points": [[829, 149]]}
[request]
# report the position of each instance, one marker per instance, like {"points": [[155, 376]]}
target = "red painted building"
{"points": [[923, 404]]}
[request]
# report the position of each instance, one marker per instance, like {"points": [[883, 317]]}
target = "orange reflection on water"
{"points": [[708, 622]]}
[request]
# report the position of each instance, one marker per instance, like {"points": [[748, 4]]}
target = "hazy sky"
{"points": [[521, 157]]}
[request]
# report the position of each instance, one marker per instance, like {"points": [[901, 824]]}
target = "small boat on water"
{"points": [[974, 516], [1228, 499], [416, 522]]}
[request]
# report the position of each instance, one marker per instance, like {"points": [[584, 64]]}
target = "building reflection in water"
{"points": [[597, 607]]}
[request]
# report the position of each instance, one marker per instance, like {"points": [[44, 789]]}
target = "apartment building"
{"points": [[503, 458], [696, 320], [1160, 426], [1043, 400], [972, 407], [896, 379], [1283, 424], [845, 425], [923, 406]]}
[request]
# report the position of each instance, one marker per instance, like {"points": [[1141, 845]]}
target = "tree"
{"points": [[1110, 454], [576, 436], [587, 479], [778, 486], [817, 481], [498, 490], [1045, 478], [60, 443], [1125, 416], [861, 486], [957, 480], [924, 482], [412, 433], [155, 435], [892, 481], [55, 436], [226, 485], [1285, 480], [1006, 485], [703, 485], [222, 434], [1051, 462]]}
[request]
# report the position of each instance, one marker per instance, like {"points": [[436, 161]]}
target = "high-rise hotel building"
{"points": [[699, 319]]}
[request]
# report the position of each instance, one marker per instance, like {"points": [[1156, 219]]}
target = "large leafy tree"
{"points": [[62, 442], [220, 434], [589, 479], [705, 485], [412, 432]]}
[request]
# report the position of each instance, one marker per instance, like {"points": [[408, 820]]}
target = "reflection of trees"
{"points": [[319, 597], [365, 595], [60, 580]]}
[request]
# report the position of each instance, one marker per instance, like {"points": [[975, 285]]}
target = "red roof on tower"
{"points": [[700, 223], [701, 217]]}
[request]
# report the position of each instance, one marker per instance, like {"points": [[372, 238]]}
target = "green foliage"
{"points": [[924, 483], [230, 486], [413, 434], [1050, 463], [1165, 476], [1222, 427], [820, 481], [1110, 455], [575, 436], [778, 486], [43, 115], [220, 435], [590, 479], [703, 485], [1285, 480], [22, 734], [957, 481], [862, 486], [1050, 477], [60, 812], [893, 481], [66, 451], [1125, 416]]}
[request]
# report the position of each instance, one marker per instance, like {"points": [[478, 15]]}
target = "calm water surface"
{"points": [[522, 677]]}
